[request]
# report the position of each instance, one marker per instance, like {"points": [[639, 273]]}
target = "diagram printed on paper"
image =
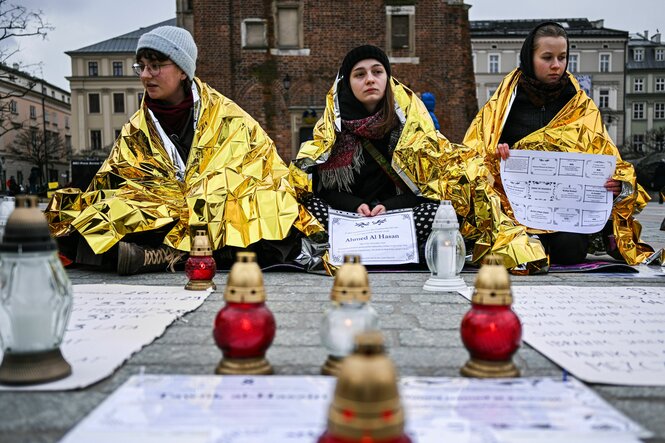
{"points": [[559, 191]]}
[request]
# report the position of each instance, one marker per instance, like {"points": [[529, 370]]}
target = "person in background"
{"points": [[430, 103], [188, 158], [540, 106]]}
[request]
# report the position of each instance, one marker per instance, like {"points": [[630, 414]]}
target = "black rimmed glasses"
{"points": [[153, 68]]}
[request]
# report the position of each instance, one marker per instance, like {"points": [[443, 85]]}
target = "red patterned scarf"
{"points": [[346, 156]]}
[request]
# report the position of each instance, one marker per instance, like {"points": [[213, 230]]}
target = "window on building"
{"points": [[68, 143], [638, 111], [54, 119], [659, 143], [604, 98], [66, 121], [638, 142], [659, 111], [400, 27], [117, 69], [638, 54], [116, 133], [13, 107], [94, 103], [659, 85], [494, 61], [573, 63], [638, 84], [33, 112], [288, 25], [139, 98], [660, 54], [93, 69], [254, 33], [53, 94], [95, 139], [490, 91], [118, 102], [47, 117], [400, 31], [604, 65]]}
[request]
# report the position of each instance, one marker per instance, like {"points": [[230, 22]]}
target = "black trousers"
{"points": [[565, 248]]}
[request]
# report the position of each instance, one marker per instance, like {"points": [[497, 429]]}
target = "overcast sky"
{"points": [[80, 23]]}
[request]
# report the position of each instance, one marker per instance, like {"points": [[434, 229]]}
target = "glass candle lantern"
{"points": [[200, 267], [445, 252], [491, 331], [366, 407], [35, 299], [244, 328], [349, 314]]}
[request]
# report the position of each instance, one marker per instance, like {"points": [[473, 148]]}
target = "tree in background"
{"points": [[33, 145], [16, 22], [647, 155]]}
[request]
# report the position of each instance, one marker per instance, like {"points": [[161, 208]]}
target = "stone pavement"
{"points": [[422, 332]]}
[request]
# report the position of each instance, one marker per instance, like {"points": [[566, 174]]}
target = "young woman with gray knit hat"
{"points": [[375, 149], [187, 159]]}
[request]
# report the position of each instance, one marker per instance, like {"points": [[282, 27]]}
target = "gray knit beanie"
{"points": [[176, 43]]}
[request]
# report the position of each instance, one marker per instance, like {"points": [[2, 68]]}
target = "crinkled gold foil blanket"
{"points": [[235, 184], [437, 169]]}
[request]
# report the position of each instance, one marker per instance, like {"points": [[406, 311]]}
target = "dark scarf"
{"points": [[172, 118], [539, 93]]}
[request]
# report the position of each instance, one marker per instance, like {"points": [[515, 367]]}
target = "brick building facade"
{"points": [[277, 59]]}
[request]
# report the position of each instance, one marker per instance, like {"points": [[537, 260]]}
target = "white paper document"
{"points": [[600, 335], [109, 323], [277, 409], [559, 191], [386, 239]]}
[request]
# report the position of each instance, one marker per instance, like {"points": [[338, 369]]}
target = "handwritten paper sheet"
{"points": [[206, 409], [385, 239], [559, 191], [109, 323], [612, 335]]}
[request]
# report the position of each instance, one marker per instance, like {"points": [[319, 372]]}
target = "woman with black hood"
{"points": [[540, 106], [375, 149]]}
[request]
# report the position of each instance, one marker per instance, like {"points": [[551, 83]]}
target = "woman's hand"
{"points": [[614, 186], [378, 209], [502, 151], [364, 210]]}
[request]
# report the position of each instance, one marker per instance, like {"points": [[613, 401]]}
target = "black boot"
{"points": [[136, 259]]}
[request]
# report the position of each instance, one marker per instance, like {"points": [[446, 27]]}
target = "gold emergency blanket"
{"points": [[235, 183], [578, 127], [435, 168]]}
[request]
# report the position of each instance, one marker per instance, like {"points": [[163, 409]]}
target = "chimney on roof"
{"points": [[656, 38], [15, 66], [598, 24], [646, 34]]}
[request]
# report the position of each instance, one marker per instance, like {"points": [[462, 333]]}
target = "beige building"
{"points": [[105, 91], [32, 107], [597, 56]]}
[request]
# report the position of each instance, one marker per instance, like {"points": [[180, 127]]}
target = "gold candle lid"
{"points": [[201, 244], [366, 402], [351, 282], [245, 281], [492, 285]]}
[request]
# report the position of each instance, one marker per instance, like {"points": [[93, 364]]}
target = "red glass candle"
{"points": [[327, 437], [244, 330], [200, 268], [491, 332]]}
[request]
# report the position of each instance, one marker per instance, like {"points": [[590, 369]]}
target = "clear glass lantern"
{"points": [[35, 299], [445, 252], [349, 314]]}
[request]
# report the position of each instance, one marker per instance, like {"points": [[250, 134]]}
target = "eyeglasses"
{"points": [[153, 68]]}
